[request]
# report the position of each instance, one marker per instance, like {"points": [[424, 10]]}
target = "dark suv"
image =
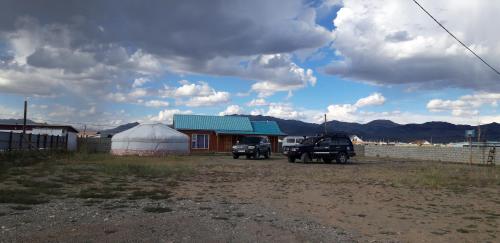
{"points": [[252, 147], [327, 148]]}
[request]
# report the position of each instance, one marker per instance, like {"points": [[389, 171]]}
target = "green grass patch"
{"points": [[157, 209], [153, 194], [20, 207], [21, 196], [95, 192]]}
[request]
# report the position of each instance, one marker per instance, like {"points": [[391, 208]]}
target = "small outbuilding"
{"points": [[150, 139]]}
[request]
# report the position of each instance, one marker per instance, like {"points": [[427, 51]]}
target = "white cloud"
{"points": [[373, 99], [139, 82], [284, 111], [394, 42], [216, 98], [196, 95], [350, 112], [166, 116], [467, 105], [232, 110], [257, 102], [156, 103]]}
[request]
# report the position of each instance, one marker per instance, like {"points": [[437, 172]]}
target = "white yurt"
{"points": [[150, 139]]}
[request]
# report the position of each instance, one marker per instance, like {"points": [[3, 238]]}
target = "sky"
{"points": [[106, 63]]}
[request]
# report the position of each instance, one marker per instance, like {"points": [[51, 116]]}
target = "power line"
{"points": [[459, 41]]}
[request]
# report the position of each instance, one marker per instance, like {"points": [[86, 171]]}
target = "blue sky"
{"points": [[354, 60]]}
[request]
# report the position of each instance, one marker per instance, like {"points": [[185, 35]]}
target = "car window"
{"points": [[290, 140], [325, 142], [341, 141], [309, 141], [299, 140], [250, 140]]}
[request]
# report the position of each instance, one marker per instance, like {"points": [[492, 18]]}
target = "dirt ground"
{"points": [[226, 200]]}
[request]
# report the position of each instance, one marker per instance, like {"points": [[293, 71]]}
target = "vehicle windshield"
{"points": [[250, 140], [309, 141]]}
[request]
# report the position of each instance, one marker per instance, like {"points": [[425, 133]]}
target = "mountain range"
{"points": [[377, 130]]}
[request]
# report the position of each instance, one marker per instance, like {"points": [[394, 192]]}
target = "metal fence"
{"points": [[94, 145], [11, 141]]}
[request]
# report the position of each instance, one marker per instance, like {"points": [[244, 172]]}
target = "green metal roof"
{"points": [[226, 125], [266, 128], [222, 123]]}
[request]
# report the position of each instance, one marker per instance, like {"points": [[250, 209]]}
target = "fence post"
{"points": [[21, 138], [51, 138], [38, 141], [66, 142], [45, 141], [57, 142], [29, 140], [10, 141]]}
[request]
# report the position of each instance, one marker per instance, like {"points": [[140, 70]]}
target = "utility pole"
{"points": [[325, 124], [25, 114]]}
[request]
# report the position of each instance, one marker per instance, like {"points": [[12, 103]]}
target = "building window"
{"points": [[199, 141]]}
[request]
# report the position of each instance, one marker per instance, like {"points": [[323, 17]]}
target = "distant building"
{"points": [[44, 129], [356, 140], [220, 133], [420, 142]]}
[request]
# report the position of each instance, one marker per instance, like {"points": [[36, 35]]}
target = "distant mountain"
{"points": [[121, 128], [17, 122], [438, 132], [377, 130]]}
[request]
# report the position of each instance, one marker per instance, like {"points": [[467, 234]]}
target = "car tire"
{"points": [[327, 160], [235, 156], [257, 154], [305, 158], [267, 155], [341, 158], [291, 159]]}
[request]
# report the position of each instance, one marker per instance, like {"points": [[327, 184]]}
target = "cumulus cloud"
{"points": [[467, 105], [156, 103], [394, 42], [350, 112], [167, 116], [195, 94], [257, 102], [232, 110], [81, 48]]}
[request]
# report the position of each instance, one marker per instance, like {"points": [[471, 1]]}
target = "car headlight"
{"points": [[251, 147], [235, 147]]}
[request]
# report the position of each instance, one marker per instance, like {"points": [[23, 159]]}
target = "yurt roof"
{"points": [[150, 133]]}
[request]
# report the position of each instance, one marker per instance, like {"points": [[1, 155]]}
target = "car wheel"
{"points": [[342, 158], [305, 158], [235, 156], [267, 154], [257, 154], [327, 160], [291, 159]]}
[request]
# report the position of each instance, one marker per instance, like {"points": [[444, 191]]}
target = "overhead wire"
{"points": [[456, 38]]}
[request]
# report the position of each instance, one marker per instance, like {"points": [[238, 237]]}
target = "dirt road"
{"points": [[228, 200]]}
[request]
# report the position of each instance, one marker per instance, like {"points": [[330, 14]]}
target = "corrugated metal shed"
{"points": [[217, 123]]}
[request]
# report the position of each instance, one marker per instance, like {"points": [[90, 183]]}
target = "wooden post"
{"points": [[57, 142], [29, 140], [21, 138], [38, 141], [10, 141], [66, 142], [45, 141], [51, 138]]}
